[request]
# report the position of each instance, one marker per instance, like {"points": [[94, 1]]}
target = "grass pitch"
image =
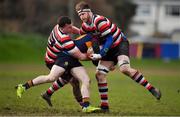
{"points": [[125, 96]]}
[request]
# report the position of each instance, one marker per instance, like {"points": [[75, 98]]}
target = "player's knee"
{"points": [[51, 78], [102, 70], [124, 66], [100, 77]]}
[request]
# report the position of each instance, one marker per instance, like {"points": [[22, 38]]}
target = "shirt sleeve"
{"points": [[107, 45], [67, 43], [83, 29]]}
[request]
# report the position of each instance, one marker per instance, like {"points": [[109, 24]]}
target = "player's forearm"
{"points": [[78, 54], [81, 56], [107, 45]]}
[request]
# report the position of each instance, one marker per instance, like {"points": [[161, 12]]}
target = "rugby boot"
{"points": [[90, 109], [20, 89], [47, 98], [156, 93]]}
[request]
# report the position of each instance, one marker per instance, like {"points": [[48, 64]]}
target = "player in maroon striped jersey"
{"points": [[61, 56], [114, 50], [85, 43]]}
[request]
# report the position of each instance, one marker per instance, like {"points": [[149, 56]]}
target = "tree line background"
{"points": [[39, 16]]}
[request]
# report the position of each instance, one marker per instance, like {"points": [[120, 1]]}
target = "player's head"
{"points": [[84, 11], [64, 23]]}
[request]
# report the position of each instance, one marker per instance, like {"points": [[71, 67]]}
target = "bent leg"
{"points": [[124, 65], [54, 74], [58, 84]]}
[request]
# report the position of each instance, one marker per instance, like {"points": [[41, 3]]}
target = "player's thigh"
{"points": [[80, 73], [56, 71], [124, 65], [103, 69]]}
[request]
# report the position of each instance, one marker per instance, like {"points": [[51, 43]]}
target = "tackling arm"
{"points": [[78, 54], [107, 45], [104, 50]]}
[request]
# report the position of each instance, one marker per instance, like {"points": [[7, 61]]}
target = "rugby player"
{"points": [[62, 55], [85, 43], [114, 50]]}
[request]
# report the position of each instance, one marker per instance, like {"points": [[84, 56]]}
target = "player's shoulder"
{"points": [[59, 35], [54, 28], [98, 18], [83, 24]]}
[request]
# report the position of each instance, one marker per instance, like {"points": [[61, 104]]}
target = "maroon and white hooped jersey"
{"points": [[102, 26], [58, 41]]}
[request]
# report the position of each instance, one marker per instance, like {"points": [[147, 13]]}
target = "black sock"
{"points": [[28, 84], [86, 104]]}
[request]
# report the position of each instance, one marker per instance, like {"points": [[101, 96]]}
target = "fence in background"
{"points": [[155, 49]]}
